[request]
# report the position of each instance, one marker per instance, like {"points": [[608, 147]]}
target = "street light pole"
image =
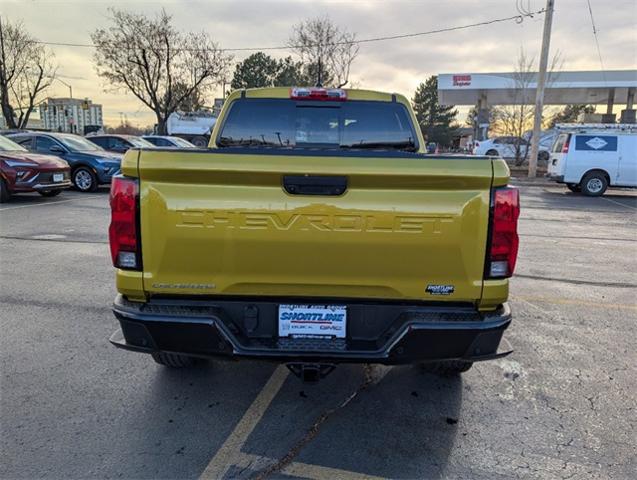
{"points": [[70, 87], [539, 92]]}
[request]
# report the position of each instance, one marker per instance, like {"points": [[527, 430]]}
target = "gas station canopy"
{"points": [[617, 86]]}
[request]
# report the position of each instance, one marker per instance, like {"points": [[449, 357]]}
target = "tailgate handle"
{"points": [[314, 184]]}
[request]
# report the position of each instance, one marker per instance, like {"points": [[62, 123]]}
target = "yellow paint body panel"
{"points": [[218, 223]]}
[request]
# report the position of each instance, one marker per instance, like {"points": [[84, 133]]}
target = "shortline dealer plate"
{"points": [[312, 321]]}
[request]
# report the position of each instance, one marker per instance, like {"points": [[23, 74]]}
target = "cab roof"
{"points": [[284, 92]]}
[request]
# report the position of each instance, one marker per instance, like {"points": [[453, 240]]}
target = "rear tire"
{"points": [[493, 153], [574, 187], [199, 142], [5, 195], [174, 360], [448, 368], [594, 184], [50, 193]]}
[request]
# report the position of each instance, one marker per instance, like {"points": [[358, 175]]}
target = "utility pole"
{"points": [[539, 92]]}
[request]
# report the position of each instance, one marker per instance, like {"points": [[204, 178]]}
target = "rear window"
{"points": [[318, 124], [559, 142]]}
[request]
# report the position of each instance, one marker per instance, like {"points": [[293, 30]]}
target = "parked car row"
{"points": [[166, 141], [507, 147], [91, 165], [49, 162], [121, 143]]}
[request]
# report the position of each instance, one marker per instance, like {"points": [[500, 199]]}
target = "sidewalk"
{"points": [[518, 179]]}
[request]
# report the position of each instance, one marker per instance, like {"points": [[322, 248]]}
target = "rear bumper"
{"points": [[387, 333]]}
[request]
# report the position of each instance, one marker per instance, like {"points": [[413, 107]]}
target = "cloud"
{"points": [[392, 65]]}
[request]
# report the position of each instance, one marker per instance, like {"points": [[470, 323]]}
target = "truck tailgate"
{"points": [[408, 226]]}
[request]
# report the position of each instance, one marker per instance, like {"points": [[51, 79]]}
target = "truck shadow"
{"points": [[404, 426], [182, 417]]}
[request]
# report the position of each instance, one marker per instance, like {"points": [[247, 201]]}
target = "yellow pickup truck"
{"points": [[313, 231]]}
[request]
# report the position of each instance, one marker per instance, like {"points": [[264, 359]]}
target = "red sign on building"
{"points": [[461, 80]]}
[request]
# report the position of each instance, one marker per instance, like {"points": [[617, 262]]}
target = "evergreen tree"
{"points": [[258, 70], [570, 113], [435, 120], [261, 70], [289, 73]]}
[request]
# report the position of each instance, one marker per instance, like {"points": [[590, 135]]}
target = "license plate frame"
{"points": [[312, 321], [58, 177]]}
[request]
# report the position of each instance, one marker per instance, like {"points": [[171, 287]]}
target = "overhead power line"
{"points": [[599, 51], [517, 18]]}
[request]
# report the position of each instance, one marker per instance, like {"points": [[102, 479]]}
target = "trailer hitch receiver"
{"points": [[311, 372]]}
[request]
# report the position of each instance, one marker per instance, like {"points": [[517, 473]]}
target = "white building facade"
{"points": [[71, 115]]}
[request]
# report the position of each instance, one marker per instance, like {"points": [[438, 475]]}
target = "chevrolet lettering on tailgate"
{"points": [[325, 223]]}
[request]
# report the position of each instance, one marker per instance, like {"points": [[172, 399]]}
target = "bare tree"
{"points": [[161, 66], [319, 42], [515, 119], [26, 71]]}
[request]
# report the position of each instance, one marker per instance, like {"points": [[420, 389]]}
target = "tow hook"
{"points": [[311, 372]]}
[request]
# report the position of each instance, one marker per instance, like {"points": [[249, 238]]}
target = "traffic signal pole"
{"points": [[539, 92]]}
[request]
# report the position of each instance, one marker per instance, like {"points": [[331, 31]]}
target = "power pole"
{"points": [[539, 92]]}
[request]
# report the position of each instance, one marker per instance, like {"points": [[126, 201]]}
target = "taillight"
{"points": [[566, 144], [316, 93], [504, 241], [123, 233]]}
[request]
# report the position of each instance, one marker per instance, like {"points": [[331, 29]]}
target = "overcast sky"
{"points": [[398, 65]]}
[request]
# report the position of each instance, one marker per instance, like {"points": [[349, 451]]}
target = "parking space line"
{"points": [[319, 472], [299, 469], [230, 451], [521, 299], [617, 203], [43, 204], [570, 301]]}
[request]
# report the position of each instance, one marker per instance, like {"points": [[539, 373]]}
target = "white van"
{"points": [[590, 158]]}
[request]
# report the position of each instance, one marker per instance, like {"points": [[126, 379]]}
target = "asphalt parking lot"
{"points": [[563, 405]]}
